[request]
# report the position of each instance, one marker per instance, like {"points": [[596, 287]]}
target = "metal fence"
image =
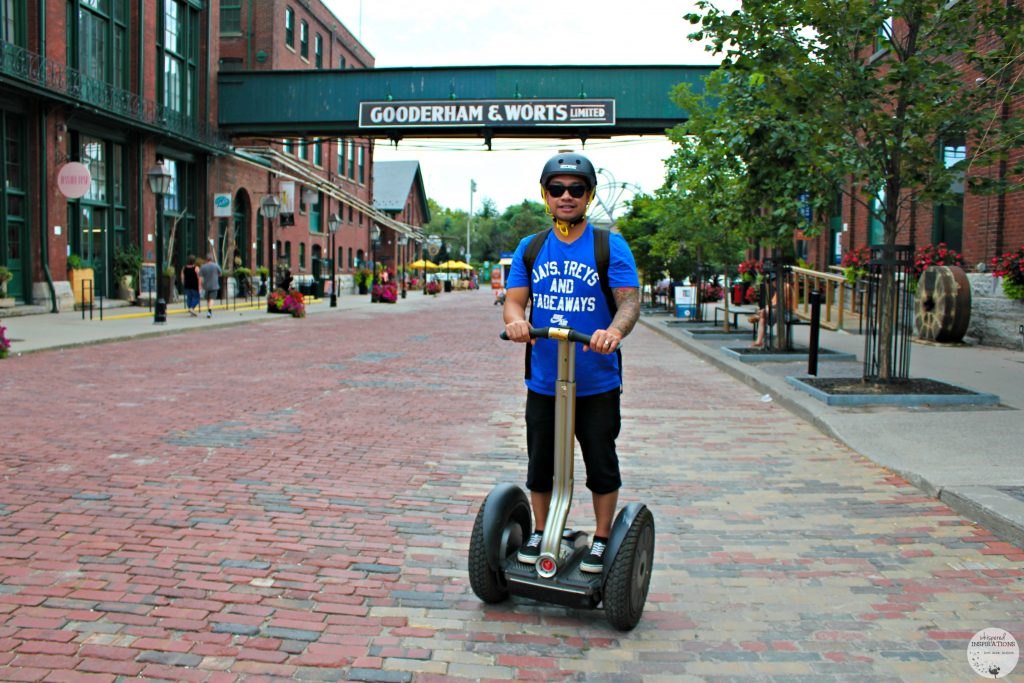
{"points": [[889, 313]]}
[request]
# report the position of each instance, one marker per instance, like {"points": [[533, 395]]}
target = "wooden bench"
{"points": [[734, 312], [791, 320]]}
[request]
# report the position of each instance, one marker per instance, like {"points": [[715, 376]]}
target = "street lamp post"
{"points": [[271, 205], [374, 238], [160, 184], [469, 222], [402, 242], [332, 224]]}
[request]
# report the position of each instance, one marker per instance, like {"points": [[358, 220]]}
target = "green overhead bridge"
{"points": [[486, 102]]}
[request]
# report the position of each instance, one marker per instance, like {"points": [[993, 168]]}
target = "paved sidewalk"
{"points": [[970, 457]]}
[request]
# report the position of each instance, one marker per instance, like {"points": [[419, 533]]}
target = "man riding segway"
{"points": [[582, 287]]}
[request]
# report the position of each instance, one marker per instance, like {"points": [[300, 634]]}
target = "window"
{"points": [[230, 16], [351, 263], [12, 21], [315, 224], [876, 218], [304, 39], [180, 47], [362, 166], [341, 62], [318, 50], [303, 151], [302, 255], [289, 27], [341, 157], [288, 146], [317, 153], [350, 157], [949, 216], [97, 37], [883, 38]]}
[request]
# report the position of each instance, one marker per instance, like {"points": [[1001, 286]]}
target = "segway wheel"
{"points": [[629, 577], [489, 583]]}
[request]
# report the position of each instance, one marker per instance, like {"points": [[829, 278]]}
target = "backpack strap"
{"points": [[529, 256]]}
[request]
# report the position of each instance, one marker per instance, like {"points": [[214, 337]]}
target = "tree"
{"points": [[876, 86]]}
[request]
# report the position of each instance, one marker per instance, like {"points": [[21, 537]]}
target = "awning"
{"points": [[282, 165]]}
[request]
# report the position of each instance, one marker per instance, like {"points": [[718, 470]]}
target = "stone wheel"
{"points": [[942, 307]]}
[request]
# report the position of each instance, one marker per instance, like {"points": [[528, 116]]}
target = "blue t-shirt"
{"points": [[566, 292]]}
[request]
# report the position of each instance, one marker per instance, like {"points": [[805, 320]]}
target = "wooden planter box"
{"points": [[80, 289]]}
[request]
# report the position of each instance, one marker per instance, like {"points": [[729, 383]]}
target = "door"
{"points": [[13, 203]]}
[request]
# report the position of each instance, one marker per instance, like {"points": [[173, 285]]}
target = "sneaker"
{"points": [[530, 551], [209, 314], [593, 563]]}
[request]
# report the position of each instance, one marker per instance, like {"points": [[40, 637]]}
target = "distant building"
{"points": [[398, 191]]}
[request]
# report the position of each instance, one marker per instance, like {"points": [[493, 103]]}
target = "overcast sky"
{"points": [[459, 33]]}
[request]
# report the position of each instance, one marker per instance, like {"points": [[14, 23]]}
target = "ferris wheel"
{"points": [[610, 199]]}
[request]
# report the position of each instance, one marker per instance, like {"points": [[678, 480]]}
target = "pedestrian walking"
{"points": [[190, 283], [210, 273], [569, 284]]}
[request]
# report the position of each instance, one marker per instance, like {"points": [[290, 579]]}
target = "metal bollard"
{"points": [[812, 351], [160, 315]]}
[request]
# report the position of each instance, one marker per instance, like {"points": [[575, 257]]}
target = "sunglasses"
{"points": [[576, 190]]}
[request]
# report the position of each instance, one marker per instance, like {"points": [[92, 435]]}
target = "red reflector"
{"points": [[547, 564]]}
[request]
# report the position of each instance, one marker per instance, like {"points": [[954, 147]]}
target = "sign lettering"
{"points": [[489, 113]]}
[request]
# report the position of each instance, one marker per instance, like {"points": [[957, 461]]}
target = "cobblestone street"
{"points": [[293, 499]]}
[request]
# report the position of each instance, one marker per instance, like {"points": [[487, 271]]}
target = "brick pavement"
{"points": [[292, 500]]}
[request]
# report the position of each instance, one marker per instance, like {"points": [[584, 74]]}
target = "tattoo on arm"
{"points": [[627, 299]]}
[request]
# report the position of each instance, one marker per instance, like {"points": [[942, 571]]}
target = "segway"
{"points": [[503, 524]]}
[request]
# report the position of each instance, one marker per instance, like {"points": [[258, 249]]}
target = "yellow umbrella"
{"points": [[429, 265], [451, 265], [464, 266]]}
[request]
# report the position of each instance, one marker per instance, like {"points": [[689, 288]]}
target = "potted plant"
{"points": [[264, 273], [1010, 267], [244, 278], [82, 281], [933, 255], [5, 343], [5, 275], [363, 278], [127, 263], [165, 288]]}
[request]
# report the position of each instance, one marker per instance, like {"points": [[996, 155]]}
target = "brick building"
{"points": [[121, 86], [978, 226]]}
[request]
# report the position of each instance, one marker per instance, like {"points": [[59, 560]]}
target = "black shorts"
{"points": [[597, 426]]}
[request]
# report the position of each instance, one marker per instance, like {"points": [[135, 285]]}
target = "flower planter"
{"points": [[6, 302], [82, 285]]}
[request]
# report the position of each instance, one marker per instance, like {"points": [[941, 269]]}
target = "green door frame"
{"points": [[13, 226]]}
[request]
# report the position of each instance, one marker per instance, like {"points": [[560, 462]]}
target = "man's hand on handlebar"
{"points": [[604, 341], [518, 331]]}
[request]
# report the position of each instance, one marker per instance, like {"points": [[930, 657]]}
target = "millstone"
{"points": [[942, 306]]}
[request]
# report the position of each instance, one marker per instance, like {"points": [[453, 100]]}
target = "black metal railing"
{"points": [[34, 69], [889, 313]]}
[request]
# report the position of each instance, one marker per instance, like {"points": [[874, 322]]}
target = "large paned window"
{"points": [[303, 149], [100, 221], [289, 27], [362, 165], [13, 209], [949, 216], [318, 155], [318, 50], [341, 157], [97, 40], [180, 56], [12, 21], [350, 159], [180, 214], [304, 39], [230, 17]]}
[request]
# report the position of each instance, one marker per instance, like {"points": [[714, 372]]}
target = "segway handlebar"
{"points": [[557, 333]]}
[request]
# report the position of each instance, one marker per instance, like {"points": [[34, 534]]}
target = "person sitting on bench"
{"points": [[762, 319]]}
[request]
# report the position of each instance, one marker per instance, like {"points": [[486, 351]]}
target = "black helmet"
{"points": [[569, 163]]}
